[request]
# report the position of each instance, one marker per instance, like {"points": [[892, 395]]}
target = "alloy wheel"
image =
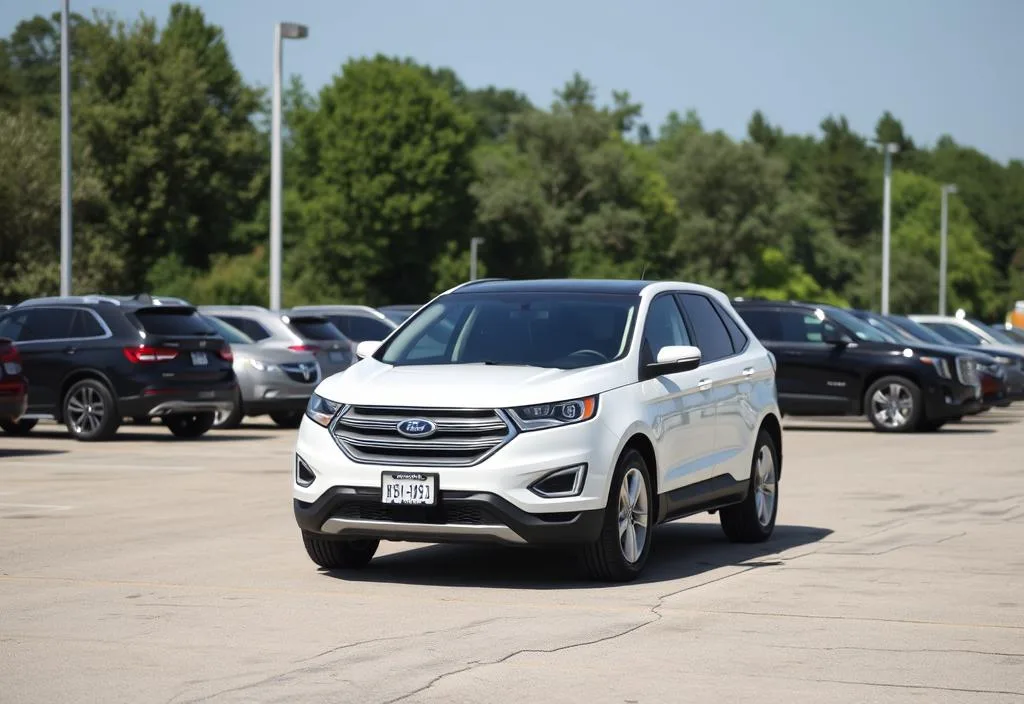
{"points": [[633, 515], [892, 406], [764, 486], [86, 410]]}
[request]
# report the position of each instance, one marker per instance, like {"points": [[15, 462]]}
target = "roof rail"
{"points": [[88, 298]]}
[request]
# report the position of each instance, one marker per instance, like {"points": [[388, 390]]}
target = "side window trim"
{"points": [[674, 296], [726, 320], [106, 329]]}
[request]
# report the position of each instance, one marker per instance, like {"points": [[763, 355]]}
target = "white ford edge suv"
{"points": [[544, 412]]}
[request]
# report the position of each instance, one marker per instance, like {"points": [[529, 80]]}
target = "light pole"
{"points": [[473, 244], [282, 31], [65, 151], [946, 190], [890, 149]]}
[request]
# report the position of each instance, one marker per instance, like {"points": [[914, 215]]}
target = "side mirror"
{"points": [[366, 348], [673, 359]]}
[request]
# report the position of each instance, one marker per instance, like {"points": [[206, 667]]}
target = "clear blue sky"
{"points": [[941, 66]]}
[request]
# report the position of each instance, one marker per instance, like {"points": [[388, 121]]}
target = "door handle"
{"points": [[749, 371], [70, 350], [704, 384]]}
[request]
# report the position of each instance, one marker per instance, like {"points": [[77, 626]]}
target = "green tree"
{"points": [[382, 165]]}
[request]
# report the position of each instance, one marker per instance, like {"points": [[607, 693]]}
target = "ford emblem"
{"points": [[416, 428]]}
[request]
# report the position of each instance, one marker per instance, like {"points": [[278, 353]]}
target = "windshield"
{"points": [[891, 332], [230, 333], [557, 330], [917, 330], [954, 333], [996, 333], [858, 327], [1017, 334]]}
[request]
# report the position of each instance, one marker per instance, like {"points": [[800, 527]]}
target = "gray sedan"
{"points": [[271, 381]]}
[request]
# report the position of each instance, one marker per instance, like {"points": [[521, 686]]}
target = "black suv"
{"points": [[832, 363], [93, 360]]}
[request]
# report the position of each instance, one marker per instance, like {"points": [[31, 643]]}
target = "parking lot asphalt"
{"points": [[150, 569]]}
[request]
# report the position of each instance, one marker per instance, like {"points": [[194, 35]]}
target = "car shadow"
{"points": [[23, 452], [948, 429], [158, 434], [679, 550]]}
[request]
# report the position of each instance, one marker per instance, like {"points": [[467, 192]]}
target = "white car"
{"points": [[962, 330], [544, 412]]}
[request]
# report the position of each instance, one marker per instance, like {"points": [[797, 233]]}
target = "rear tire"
{"points": [[753, 520], [893, 404], [20, 428], [287, 419], [189, 425], [332, 554], [90, 412], [624, 544]]}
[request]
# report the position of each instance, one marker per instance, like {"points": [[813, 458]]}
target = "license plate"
{"points": [[336, 356], [408, 488], [199, 359]]}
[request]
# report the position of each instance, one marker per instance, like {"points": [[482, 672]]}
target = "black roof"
{"points": [[768, 303], [98, 301], [617, 286]]}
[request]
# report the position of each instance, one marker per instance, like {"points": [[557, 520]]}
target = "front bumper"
{"points": [[490, 500], [948, 398], [459, 516], [159, 401]]}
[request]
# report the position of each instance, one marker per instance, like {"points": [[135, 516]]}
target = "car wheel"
{"points": [[332, 553], [753, 519], [189, 425], [229, 420], [621, 550], [287, 419], [18, 427], [90, 412], [893, 405]]}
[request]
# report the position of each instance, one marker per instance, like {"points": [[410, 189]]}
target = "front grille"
{"points": [[967, 371], [304, 373], [437, 515], [463, 436]]}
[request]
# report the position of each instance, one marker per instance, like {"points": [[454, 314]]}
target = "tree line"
{"points": [[394, 166]]}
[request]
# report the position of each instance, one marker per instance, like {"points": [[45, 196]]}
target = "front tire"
{"points": [[621, 550], [893, 405], [20, 428], [332, 554], [287, 419], [753, 520], [189, 425], [90, 412]]}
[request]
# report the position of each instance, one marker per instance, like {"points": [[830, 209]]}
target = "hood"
{"points": [[374, 383], [928, 349]]}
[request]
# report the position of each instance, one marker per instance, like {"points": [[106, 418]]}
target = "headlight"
{"points": [[551, 415], [940, 365], [262, 366], [320, 410]]}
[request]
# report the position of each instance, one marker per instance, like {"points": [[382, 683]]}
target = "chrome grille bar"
{"points": [[462, 436]]}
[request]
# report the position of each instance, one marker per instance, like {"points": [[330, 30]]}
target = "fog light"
{"points": [[561, 483], [303, 474]]}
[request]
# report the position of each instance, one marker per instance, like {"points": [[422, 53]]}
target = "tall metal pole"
{"points": [[275, 178], [890, 149], [943, 238], [65, 151], [473, 243]]}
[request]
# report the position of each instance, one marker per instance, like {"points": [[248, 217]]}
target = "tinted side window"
{"points": [[738, 337], [316, 329], [361, 328], [85, 325], [664, 328], [764, 323], [10, 326], [46, 324], [954, 333], [249, 327], [712, 336], [798, 326]]}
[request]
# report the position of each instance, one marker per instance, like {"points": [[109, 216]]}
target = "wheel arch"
{"points": [[773, 426], [641, 443], [877, 374], [75, 377]]}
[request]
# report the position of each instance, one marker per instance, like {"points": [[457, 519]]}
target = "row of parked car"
{"points": [[94, 361]]}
